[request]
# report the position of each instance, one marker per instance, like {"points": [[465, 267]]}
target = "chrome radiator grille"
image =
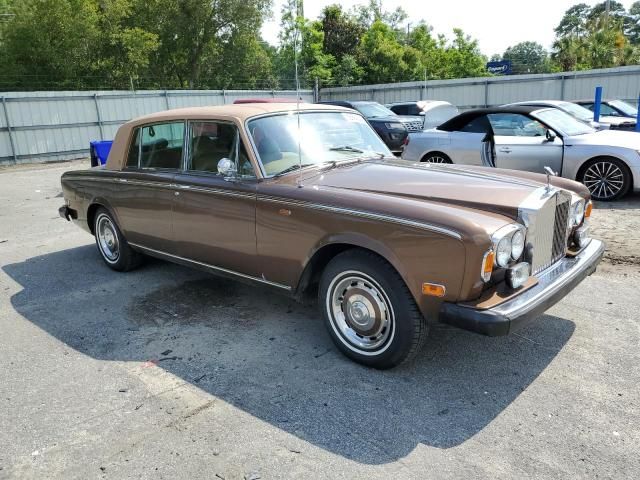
{"points": [[548, 232]]}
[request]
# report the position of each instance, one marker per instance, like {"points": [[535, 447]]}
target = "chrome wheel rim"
{"points": [[107, 239], [436, 159], [360, 312], [604, 179]]}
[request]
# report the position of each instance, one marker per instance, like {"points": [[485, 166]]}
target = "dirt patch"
{"points": [[207, 301], [618, 224]]}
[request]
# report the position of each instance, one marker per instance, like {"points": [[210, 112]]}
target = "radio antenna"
{"points": [[296, 34]]}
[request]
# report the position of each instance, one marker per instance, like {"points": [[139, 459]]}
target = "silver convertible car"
{"points": [[532, 138]]}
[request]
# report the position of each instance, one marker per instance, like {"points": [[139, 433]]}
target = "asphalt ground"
{"points": [[168, 373]]}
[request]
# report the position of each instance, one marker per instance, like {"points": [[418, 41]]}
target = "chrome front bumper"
{"points": [[553, 284]]}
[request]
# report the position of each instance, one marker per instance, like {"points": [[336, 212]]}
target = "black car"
{"points": [[393, 129]]}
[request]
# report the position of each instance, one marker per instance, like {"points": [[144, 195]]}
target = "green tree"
{"points": [[373, 12], [528, 57], [574, 21], [342, 33], [51, 44]]}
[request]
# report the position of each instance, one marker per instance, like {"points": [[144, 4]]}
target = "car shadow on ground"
{"points": [[271, 357]]}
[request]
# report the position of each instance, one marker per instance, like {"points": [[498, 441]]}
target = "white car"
{"points": [[584, 114], [532, 138]]}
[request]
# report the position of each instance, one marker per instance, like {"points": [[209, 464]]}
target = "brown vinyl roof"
{"points": [[238, 111]]}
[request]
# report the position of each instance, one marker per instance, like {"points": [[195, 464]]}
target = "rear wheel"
{"points": [[369, 312], [436, 157], [113, 248], [606, 178]]}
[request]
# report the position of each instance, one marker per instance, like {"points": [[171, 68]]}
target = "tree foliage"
{"points": [[90, 44]]}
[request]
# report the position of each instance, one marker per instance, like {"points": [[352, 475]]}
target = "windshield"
{"points": [[371, 110], [323, 137], [577, 111], [563, 122], [624, 107]]}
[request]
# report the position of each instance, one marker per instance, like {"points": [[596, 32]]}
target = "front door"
{"points": [[521, 143], [143, 196], [214, 214]]}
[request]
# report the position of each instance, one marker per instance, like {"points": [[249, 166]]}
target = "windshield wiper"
{"points": [[292, 168], [346, 148]]}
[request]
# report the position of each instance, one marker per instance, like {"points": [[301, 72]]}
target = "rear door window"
{"points": [[162, 146]]}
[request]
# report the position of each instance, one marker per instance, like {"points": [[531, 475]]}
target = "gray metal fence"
{"points": [[622, 82], [50, 126]]}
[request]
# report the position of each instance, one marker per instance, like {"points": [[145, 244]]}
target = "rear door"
{"points": [[144, 195], [466, 144], [521, 144]]}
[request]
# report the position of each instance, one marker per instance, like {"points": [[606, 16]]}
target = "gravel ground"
{"points": [[168, 373]]}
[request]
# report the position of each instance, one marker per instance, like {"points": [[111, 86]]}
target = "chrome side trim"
{"points": [[216, 191], [173, 186], [211, 267], [361, 214]]}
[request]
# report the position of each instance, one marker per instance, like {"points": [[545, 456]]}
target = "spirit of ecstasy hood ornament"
{"points": [[549, 173]]}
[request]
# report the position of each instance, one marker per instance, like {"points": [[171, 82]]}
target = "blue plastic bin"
{"points": [[99, 150]]}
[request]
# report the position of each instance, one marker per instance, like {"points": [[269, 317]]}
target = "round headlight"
{"points": [[517, 244], [503, 252], [578, 212]]}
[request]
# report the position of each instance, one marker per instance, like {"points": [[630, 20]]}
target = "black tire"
{"points": [[398, 330], [113, 247], [607, 178], [436, 157]]}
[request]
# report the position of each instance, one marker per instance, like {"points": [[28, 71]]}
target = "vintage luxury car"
{"points": [[307, 199]]}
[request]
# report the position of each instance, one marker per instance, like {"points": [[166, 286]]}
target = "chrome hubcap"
{"points": [[107, 239], [360, 313], [604, 179]]}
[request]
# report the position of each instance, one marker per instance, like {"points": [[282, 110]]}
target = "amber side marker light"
{"points": [[587, 211], [487, 265], [433, 289]]}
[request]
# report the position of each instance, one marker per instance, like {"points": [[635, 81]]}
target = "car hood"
{"points": [[610, 138], [616, 120], [486, 189], [389, 118]]}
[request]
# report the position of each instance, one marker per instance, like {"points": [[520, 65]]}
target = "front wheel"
{"points": [[606, 178], [369, 312]]}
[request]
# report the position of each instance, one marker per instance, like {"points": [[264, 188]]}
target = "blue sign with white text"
{"points": [[500, 68]]}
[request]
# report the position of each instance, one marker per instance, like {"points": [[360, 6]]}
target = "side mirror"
{"points": [[227, 168], [551, 135]]}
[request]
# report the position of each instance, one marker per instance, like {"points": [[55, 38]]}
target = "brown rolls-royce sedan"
{"points": [[307, 199]]}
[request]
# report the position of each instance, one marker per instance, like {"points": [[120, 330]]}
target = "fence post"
{"points": [[562, 80], [638, 116], [166, 99], [224, 97], [486, 93], [14, 154], [597, 104], [316, 91], [95, 101]]}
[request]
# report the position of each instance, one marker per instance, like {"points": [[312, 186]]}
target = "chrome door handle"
{"points": [[505, 150], [123, 180], [176, 193]]}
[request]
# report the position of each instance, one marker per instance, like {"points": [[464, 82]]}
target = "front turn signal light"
{"points": [[433, 289], [487, 265], [588, 209]]}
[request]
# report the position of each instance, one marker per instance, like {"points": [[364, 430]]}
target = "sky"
{"points": [[496, 24]]}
